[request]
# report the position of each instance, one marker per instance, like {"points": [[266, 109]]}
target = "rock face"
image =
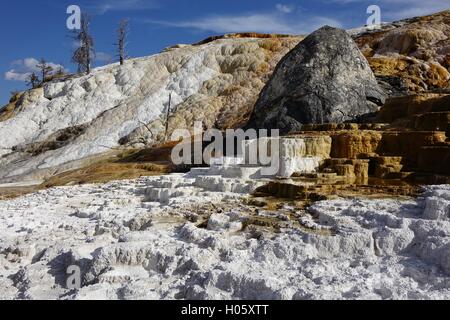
{"points": [[217, 82], [324, 79]]}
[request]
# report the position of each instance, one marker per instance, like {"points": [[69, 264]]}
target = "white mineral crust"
{"points": [[133, 244]]}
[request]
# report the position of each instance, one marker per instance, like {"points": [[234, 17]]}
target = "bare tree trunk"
{"points": [[167, 117], [88, 57], [83, 55], [122, 34], [88, 43]]}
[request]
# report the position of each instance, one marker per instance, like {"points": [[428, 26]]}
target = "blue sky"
{"points": [[33, 29]]}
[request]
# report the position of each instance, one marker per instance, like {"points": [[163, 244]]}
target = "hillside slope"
{"points": [[217, 82]]}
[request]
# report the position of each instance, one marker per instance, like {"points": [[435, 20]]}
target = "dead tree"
{"points": [[122, 34], [84, 54], [33, 81], [168, 116], [46, 70]]}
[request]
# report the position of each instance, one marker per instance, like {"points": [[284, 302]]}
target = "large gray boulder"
{"points": [[324, 79]]}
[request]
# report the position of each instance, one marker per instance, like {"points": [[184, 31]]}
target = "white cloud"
{"points": [[103, 57], [29, 64], [21, 69], [412, 8], [264, 23], [284, 8], [400, 9], [123, 5], [75, 44], [12, 75]]}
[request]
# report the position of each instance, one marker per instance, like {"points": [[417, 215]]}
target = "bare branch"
{"points": [[147, 127], [111, 148], [46, 70]]}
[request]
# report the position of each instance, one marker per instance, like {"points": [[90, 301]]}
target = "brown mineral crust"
{"points": [[415, 51]]}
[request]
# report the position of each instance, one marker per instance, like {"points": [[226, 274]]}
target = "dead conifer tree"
{"points": [[122, 34], [166, 131], [84, 53]]}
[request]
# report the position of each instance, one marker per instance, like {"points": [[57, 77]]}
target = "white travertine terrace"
{"points": [[292, 154]]}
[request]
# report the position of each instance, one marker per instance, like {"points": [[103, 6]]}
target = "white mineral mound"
{"points": [[208, 82]]}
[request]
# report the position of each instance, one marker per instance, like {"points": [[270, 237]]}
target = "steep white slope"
{"points": [[206, 81]]}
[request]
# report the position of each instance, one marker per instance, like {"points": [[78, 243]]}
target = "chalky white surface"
{"points": [[129, 247]]}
